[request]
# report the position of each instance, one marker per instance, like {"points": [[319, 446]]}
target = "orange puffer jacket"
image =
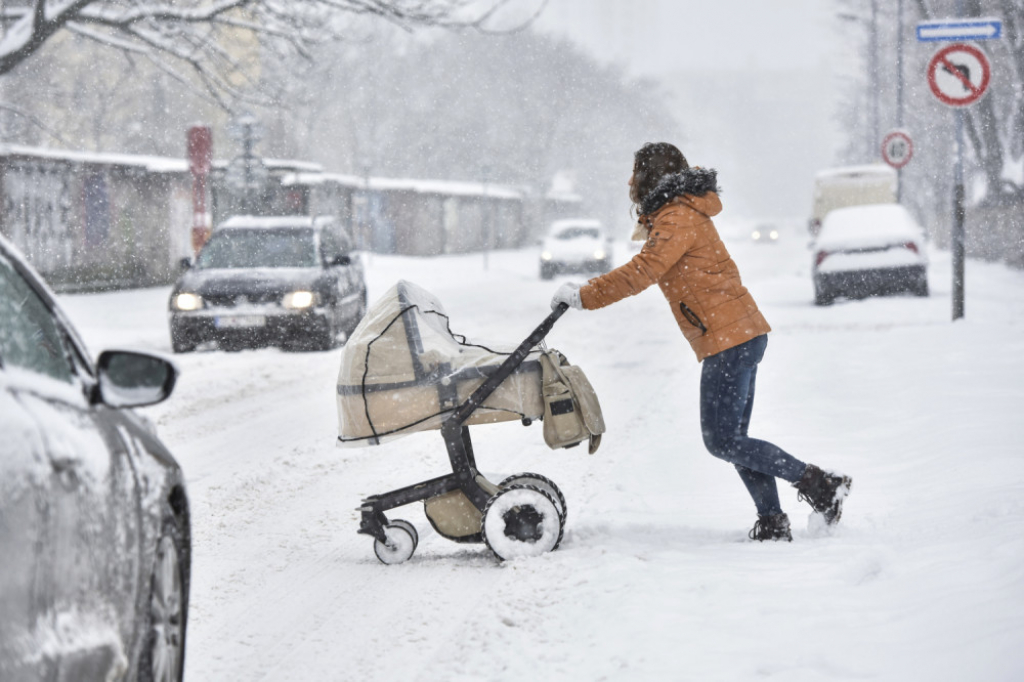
{"points": [[686, 257]]}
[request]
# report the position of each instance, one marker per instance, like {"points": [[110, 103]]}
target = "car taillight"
{"points": [[912, 246], [822, 255]]}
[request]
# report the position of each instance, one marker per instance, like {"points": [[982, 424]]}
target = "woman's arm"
{"points": [[668, 241]]}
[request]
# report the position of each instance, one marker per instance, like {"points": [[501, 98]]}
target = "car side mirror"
{"points": [[184, 264], [344, 259], [134, 379]]}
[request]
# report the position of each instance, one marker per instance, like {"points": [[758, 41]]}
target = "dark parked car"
{"points": [[288, 280], [94, 524]]}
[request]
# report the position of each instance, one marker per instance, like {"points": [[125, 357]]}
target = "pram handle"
{"points": [[505, 369]]}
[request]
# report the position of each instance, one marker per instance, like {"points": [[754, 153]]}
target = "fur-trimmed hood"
{"points": [[696, 181]]}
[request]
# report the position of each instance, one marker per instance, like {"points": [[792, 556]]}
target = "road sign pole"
{"points": [[958, 76], [959, 212]]}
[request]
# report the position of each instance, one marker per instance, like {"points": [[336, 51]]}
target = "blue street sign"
{"points": [[955, 30]]}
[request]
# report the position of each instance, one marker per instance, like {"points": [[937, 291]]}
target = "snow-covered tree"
{"points": [[216, 44], [510, 109]]}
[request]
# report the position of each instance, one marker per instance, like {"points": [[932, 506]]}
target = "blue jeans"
{"points": [[726, 401]]}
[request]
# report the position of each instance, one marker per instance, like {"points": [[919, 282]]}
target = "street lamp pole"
{"points": [[487, 227], [873, 127]]}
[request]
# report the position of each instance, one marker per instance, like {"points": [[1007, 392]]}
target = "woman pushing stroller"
{"points": [[685, 256]]}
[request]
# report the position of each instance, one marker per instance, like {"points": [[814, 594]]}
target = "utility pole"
{"points": [[873, 46], [899, 90]]}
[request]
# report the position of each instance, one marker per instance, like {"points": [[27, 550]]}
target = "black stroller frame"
{"points": [[457, 441]]}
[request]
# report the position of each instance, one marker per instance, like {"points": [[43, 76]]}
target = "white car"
{"points": [[95, 527], [575, 245], [765, 234], [869, 250]]}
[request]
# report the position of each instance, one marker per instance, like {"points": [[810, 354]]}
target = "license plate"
{"points": [[240, 321]]}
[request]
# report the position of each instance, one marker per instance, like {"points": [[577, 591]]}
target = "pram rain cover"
{"points": [[404, 371]]}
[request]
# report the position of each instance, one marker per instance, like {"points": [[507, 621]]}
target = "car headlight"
{"points": [[186, 301], [774, 234], [599, 254], [299, 299], [546, 255]]}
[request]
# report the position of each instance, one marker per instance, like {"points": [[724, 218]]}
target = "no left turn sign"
{"points": [[897, 149], [959, 74]]}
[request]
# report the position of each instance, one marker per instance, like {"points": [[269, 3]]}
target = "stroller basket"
{"points": [[403, 371]]}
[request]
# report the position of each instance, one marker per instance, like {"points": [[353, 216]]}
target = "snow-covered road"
{"points": [[655, 579]]}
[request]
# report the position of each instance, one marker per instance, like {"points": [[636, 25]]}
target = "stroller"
{"points": [[403, 371]]}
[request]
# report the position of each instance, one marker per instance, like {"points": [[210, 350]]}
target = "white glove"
{"points": [[569, 294]]}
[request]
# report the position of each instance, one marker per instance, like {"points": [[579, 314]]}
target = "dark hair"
{"points": [[651, 163]]}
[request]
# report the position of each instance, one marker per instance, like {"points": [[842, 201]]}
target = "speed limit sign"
{"points": [[897, 149]]}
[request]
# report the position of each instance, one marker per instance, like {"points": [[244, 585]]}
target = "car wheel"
{"points": [[163, 654], [354, 322], [327, 340], [182, 344], [822, 296], [920, 286]]}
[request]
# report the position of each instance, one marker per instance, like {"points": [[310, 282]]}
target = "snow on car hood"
{"points": [[581, 247], [245, 280]]}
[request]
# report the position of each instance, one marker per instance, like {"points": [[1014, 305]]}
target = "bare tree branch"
{"points": [[215, 39], [34, 121]]}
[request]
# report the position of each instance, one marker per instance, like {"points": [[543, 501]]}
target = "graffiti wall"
{"points": [[94, 221]]}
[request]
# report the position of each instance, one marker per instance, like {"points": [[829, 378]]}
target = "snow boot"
{"points": [[825, 491], [772, 527]]}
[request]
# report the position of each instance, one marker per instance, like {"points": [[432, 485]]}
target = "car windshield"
{"points": [[259, 248], [579, 232]]}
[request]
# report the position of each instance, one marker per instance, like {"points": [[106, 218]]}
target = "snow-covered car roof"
{"points": [[868, 226], [267, 222], [856, 173], [559, 225]]}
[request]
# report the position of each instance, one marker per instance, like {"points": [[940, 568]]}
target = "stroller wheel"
{"points": [[542, 482], [521, 520], [401, 543], [409, 527]]}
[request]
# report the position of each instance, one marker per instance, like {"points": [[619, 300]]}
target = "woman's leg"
{"points": [[727, 400], [762, 487]]}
